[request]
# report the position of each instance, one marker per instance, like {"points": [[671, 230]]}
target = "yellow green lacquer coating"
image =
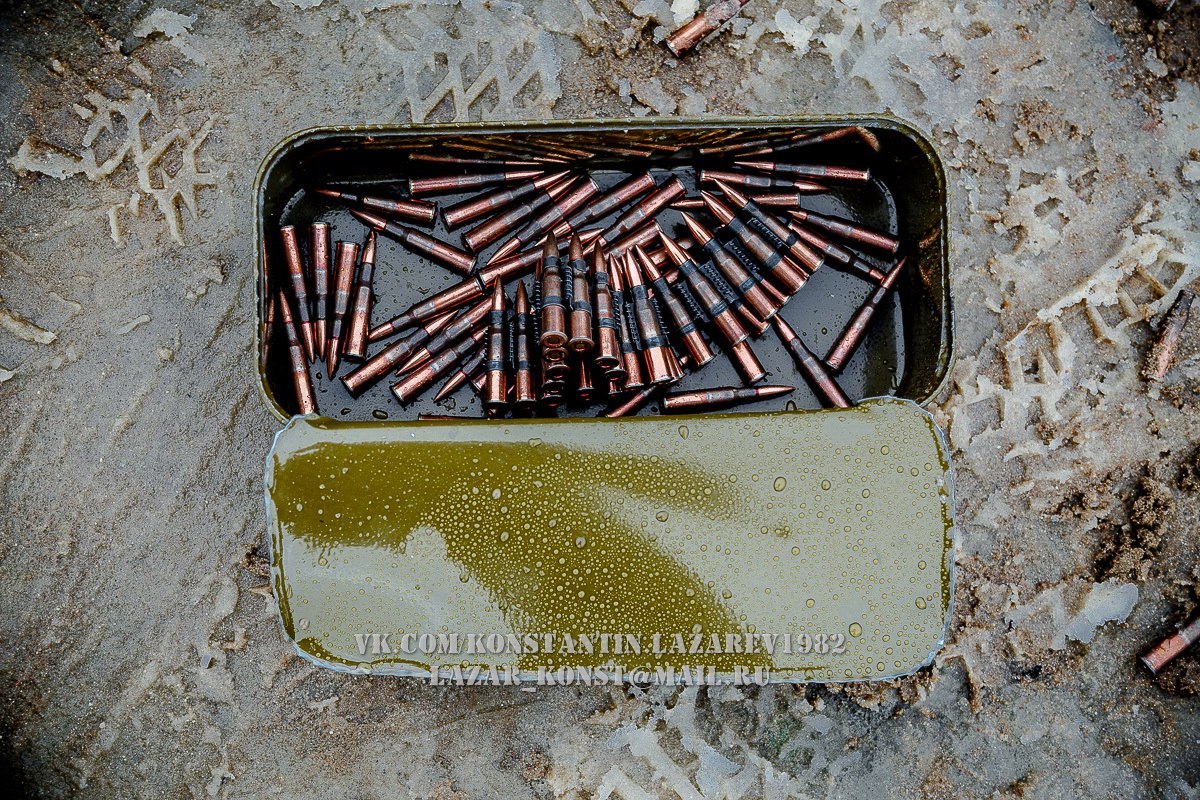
{"points": [[831, 525]]}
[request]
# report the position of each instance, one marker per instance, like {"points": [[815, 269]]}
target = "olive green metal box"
{"points": [[790, 545]]}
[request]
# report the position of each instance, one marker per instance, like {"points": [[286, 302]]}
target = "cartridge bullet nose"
{"points": [[450, 388], [700, 233], [783, 329], [506, 249], [497, 296], [334, 193], [522, 303], [632, 271], [368, 252], [371, 220], [648, 266], [736, 197], [767, 392], [615, 270], [550, 178], [718, 209], [676, 252], [761, 166], [550, 248], [575, 249]]}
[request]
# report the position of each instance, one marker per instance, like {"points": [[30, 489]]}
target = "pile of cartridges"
{"points": [[571, 295]]}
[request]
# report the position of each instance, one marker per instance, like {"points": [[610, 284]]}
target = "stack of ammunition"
{"points": [[568, 294]]}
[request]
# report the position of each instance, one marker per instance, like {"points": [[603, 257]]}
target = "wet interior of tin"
{"points": [[833, 527], [905, 353]]}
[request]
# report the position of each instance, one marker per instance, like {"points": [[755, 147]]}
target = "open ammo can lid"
{"points": [[795, 546]]}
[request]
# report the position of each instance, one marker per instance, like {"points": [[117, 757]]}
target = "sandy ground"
{"points": [[141, 656]]}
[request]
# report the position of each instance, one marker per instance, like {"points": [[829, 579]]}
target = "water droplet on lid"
{"points": [[780, 483], [921, 602], [795, 551], [810, 602], [855, 629], [683, 431], [826, 485], [662, 516]]}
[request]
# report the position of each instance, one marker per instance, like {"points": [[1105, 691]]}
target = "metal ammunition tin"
{"points": [[833, 527], [907, 353]]}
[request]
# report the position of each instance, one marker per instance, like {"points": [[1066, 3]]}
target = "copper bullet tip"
{"points": [[722, 212], [648, 265], [334, 193], [700, 233], [575, 248], [615, 268], [676, 252], [766, 392], [522, 302], [762, 166], [368, 251], [549, 247], [372, 220], [550, 178], [506, 249], [740, 200], [631, 267], [497, 296], [784, 330]]}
